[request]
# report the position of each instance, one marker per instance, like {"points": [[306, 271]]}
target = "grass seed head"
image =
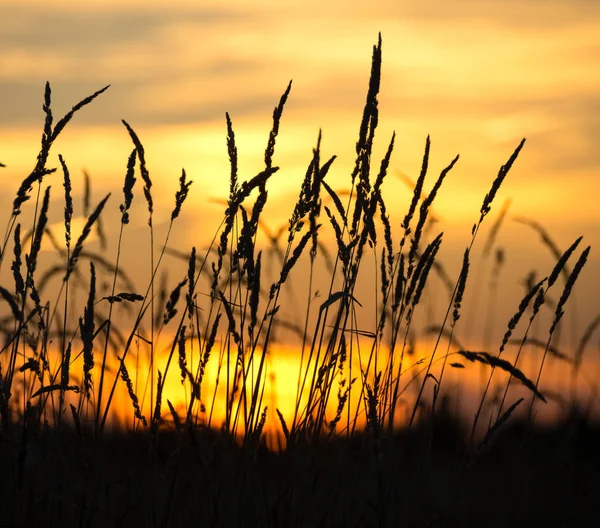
{"points": [[68, 202]]}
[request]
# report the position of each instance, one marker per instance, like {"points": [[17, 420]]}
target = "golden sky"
{"points": [[478, 75]]}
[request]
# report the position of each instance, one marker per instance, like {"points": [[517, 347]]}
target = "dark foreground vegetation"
{"points": [[427, 477], [371, 440]]}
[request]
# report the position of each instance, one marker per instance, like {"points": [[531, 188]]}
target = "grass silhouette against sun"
{"points": [[64, 364]]}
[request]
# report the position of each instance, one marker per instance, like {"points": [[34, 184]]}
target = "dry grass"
{"points": [[184, 465]]}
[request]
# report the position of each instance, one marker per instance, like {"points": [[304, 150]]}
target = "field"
{"points": [[159, 406]]}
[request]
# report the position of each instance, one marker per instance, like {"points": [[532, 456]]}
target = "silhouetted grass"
{"points": [[366, 444]]}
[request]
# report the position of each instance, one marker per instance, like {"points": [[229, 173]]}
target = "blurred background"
{"points": [[476, 75]]}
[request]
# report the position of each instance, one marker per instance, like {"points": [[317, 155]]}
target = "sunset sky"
{"points": [[478, 75]]}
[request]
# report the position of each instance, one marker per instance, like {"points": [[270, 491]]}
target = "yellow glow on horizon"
{"points": [[282, 369]]}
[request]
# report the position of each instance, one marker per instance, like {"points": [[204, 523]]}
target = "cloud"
{"points": [[48, 27], [510, 14]]}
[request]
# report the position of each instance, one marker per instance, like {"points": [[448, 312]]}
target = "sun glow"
{"points": [[283, 375]]}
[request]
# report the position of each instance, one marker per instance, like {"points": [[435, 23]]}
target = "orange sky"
{"points": [[478, 75]]}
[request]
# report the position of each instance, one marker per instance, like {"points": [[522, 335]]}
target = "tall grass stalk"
{"points": [[227, 310]]}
